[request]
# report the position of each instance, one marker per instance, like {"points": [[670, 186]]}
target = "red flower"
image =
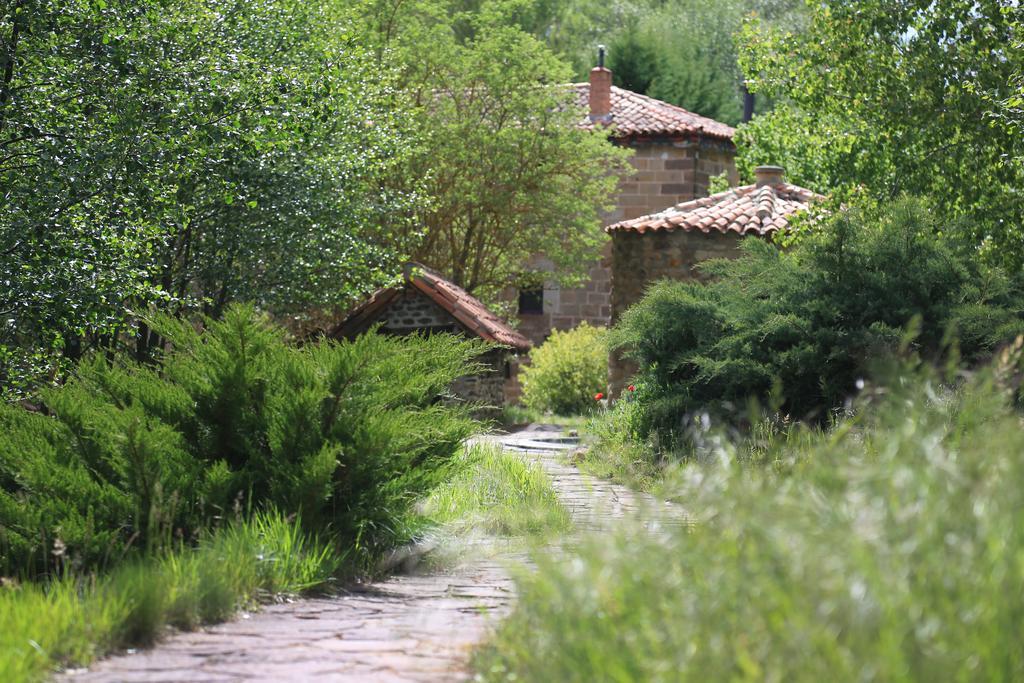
{"points": [[631, 387], [598, 396]]}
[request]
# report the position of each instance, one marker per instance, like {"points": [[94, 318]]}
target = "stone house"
{"points": [[427, 303], [669, 243], [675, 154]]}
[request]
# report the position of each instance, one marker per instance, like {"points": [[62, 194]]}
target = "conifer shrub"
{"points": [[234, 418], [801, 327], [566, 371]]}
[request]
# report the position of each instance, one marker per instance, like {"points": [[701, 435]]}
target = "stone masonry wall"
{"points": [[487, 387], [639, 260], [564, 309], [669, 172], [413, 311]]}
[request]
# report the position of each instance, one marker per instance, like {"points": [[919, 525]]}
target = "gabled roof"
{"points": [[469, 311], [640, 115], [750, 209]]}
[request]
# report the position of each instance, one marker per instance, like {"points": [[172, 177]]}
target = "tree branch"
{"points": [[9, 59]]}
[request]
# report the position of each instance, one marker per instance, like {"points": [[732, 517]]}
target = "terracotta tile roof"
{"points": [[469, 311], [750, 209], [636, 114]]}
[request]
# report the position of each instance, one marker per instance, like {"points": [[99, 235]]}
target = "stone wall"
{"points": [[413, 311], [639, 260], [670, 171], [564, 309], [487, 387], [513, 391]]}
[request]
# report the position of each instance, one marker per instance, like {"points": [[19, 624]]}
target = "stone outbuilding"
{"points": [[428, 303], [675, 154], [668, 244]]}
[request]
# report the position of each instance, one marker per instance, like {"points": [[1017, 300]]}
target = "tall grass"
{"points": [[497, 493], [613, 450], [71, 621], [889, 548], [513, 416]]}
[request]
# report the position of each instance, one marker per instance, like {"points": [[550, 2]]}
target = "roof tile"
{"points": [[636, 114], [751, 209]]}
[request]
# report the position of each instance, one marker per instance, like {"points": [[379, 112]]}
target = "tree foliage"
{"points": [[801, 326], [896, 96], [185, 154], [506, 170], [688, 54], [680, 51]]}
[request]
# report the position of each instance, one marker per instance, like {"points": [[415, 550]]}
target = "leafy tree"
{"points": [[680, 51], [501, 159], [896, 96], [182, 154], [815, 149], [633, 59], [573, 29], [685, 51], [1008, 103]]}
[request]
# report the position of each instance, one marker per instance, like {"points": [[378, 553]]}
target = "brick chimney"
{"points": [[600, 91], [769, 175]]}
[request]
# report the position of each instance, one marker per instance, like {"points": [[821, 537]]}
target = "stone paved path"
{"points": [[405, 628]]}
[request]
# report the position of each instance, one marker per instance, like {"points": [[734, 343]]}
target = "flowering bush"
{"points": [[568, 372]]}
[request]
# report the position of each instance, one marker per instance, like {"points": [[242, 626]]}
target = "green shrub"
{"points": [[566, 371], [886, 549], [347, 435], [800, 327]]}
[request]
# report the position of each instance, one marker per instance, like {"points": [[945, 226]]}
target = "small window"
{"points": [[531, 301]]}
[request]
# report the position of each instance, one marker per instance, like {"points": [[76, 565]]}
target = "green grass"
{"points": [[497, 493], [73, 620], [890, 548]]}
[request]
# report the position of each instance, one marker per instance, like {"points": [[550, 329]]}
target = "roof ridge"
{"points": [[672, 106]]}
